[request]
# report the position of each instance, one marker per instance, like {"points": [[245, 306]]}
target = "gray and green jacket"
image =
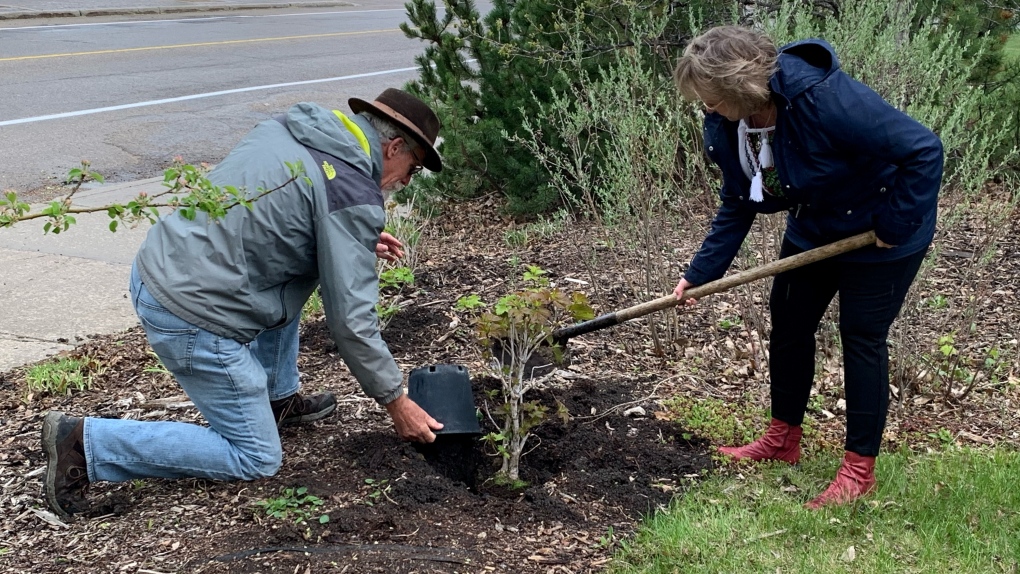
{"points": [[254, 269]]}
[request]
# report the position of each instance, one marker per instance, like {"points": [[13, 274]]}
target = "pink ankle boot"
{"points": [[781, 442], [854, 479]]}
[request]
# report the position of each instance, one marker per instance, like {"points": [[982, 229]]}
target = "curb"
{"points": [[85, 12]]}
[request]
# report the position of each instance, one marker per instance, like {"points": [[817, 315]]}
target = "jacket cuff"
{"points": [[390, 397], [695, 278]]}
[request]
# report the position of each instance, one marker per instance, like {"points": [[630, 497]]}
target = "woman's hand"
{"points": [[679, 292]]}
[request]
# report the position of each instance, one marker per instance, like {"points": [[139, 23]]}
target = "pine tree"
{"points": [[485, 75], [984, 24]]}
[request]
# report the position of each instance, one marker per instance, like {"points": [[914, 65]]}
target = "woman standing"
{"points": [[791, 131]]}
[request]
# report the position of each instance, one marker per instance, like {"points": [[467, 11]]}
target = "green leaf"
{"points": [[534, 275], [562, 412], [396, 277], [113, 225], [469, 302]]}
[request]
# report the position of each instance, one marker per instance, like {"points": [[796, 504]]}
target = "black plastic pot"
{"points": [[444, 391]]}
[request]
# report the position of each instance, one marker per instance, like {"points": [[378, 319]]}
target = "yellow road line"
{"points": [[172, 46]]}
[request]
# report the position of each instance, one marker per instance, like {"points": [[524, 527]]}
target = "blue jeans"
{"points": [[230, 383]]}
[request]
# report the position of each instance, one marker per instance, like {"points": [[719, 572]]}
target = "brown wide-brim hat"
{"points": [[411, 115]]}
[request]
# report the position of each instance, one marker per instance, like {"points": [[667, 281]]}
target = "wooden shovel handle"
{"points": [[767, 270], [719, 285]]}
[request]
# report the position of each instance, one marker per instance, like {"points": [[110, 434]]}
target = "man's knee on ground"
{"points": [[253, 466]]}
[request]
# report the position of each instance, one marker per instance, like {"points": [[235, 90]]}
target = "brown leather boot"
{"points": [[781, 442], [300, 409], [854, 479], [67, 476]]}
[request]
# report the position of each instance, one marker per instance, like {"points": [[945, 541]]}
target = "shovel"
{"points": [[560, 336]]}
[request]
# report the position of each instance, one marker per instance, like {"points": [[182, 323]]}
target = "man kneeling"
{"points": [[221, 301]]}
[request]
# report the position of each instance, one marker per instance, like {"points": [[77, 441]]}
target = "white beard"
{"points": [[389, 190]]}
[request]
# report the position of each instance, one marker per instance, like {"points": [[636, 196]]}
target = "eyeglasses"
{"points": [[712, 107], [417, 166], [709, 107]]}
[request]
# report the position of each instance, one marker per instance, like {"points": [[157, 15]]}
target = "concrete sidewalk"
{"points": [[70, 8], [58, 289]]}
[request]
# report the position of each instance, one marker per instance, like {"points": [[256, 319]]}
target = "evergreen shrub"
{"points": [[492, 75]]}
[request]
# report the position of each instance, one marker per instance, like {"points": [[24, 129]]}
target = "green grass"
{"points": [[722, 422], [543, 228], [312, 307], [61, 376], [952, 511]]}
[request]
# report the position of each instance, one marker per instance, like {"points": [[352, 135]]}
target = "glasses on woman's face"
{"points": [[713, 106]]}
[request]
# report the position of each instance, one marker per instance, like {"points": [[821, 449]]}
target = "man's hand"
{"points": [[883, 244], [388, 247], [411, 421], [682, 286]]}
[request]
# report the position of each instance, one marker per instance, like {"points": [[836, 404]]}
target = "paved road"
{"points": [[25, 9], [56, 290], [130, 94]]}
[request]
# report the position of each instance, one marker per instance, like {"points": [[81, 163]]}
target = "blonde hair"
{"points": [[730, 63]]}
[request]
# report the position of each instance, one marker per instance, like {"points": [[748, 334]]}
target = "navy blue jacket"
{"points": [[847, 162]]}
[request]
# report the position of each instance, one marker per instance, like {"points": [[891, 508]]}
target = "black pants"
{"points": [[870, 297]]}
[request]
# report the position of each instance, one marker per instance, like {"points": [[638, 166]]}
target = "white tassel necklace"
{"points": [[752, 165]]}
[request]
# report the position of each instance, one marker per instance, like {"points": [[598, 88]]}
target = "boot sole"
{"points": [[735, 458], [309, 418], [817, 504], [49, 441]]}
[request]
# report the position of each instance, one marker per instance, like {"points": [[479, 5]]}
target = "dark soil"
{"points": [[397, 507], [392, 506]]}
